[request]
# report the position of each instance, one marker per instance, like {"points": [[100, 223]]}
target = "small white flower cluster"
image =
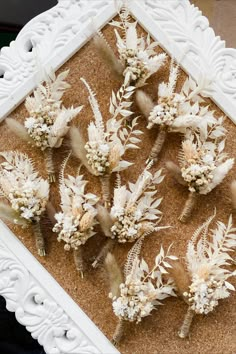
{"points": [[72, 230], [136, 300], [166, 111], [40, 122], [26, 192], [204, 294], [135, 67], [98, 156], [142, 289], [197, 175], [27, 204], [127, 225]]}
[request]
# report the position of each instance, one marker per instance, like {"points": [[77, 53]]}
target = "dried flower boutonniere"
{"points": [[134, 212], [205, 281], [175, 112], [103, 152], [137, 57], [49, 119], [142, 289], [203, 165], [25, 191], [75, 223]]}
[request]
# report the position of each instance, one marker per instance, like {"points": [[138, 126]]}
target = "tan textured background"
{"points": [[222, 17], [157, 334]]}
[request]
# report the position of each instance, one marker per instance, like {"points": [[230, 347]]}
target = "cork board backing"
{"points": [[158, 332]]}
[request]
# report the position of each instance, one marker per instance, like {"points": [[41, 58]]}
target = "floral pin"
{"points": [[134, 212], [205, 281], [49, 119], [102, 153], [203, 165], [75, 223], [176, 112], [142, 289], [137, 57], [25, 191]]}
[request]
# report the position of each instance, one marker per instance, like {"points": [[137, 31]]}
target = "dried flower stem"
{"points": [[39, 239], [105, 184], [50, 165], [188, 207], [119, 331], [157, 147], [184, 330], [78, 258], [110, 243]]}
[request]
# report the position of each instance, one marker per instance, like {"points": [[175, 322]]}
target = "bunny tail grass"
{"points": [[184, 330], [109, 245], [7, 213], [144, 102], [188, 207], [119, 332], [18, 129], [49, 165], [180, 276], [78, 258], [105, 184], [157, 147], [51, 211], [175, 172], [233, 194], [39, 239], [114, 274], [107, 54]]}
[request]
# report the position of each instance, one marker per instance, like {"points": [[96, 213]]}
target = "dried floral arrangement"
{"points": [[134, 213], [208, 261], [49, 120], [75, 223], [135, 295], [203, 164], [131, 210], [137, 58], [176, 112], [102, 153], [26, 193]]}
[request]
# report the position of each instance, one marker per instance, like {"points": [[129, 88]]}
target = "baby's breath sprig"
{"points": [[25, 191]]}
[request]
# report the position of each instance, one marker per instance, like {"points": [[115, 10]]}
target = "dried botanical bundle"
{"points": [[137, 57], [134, 212], [207, 271], [142, 290], [75, 223], [203, 165], [176, 112], [25, 191], [49, 119], [103, 152]]}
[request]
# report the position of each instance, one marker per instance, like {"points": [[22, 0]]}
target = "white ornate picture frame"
{"points": [[39, 303]]}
